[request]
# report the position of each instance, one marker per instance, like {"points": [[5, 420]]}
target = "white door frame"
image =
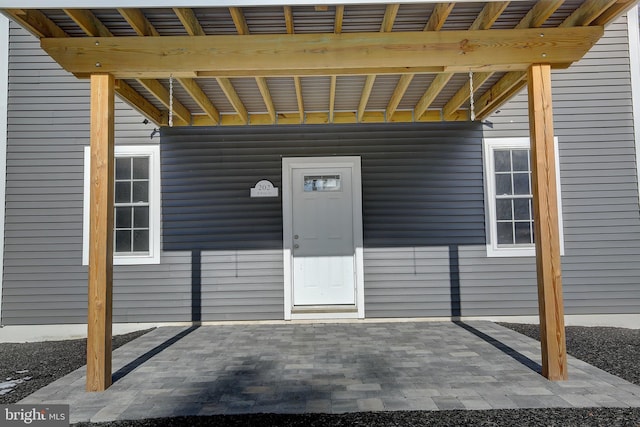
{"points": [[288, 164]]}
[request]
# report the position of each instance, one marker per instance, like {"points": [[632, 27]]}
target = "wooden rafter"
{"points": [[140, 103], [364, 97], [288, 19], [297, 82], [195, 91], [234, 99], [189, 21], [332, 97], [503, 89], [539, 13], [489, 15], [139, 22], [588, 12], [239, 21], [337, 26], [89, 23], [266, 96], [441, 12], [389, 17], [36, 22], [619, 8], [436, 86], [398, 93], [161, 93]]}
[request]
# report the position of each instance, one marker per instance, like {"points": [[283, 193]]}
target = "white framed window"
{"points": [[136, 219], [509, 197]]}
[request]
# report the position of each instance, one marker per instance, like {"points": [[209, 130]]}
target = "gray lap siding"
{"points": [[423, 206]]}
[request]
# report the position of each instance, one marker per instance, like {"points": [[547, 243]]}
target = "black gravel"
{"points": [[615, 350], [41, 363]]}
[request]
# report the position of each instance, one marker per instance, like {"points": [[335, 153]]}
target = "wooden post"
{"points": [[547, 237], [101, 233]]}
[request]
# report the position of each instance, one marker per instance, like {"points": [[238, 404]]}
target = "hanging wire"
{"points": [[472, 113], [171, 100]]}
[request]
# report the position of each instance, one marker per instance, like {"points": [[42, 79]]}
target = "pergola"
{"points": [[219, 63]]}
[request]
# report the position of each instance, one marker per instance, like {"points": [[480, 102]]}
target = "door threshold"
{"points": [[324, 309]]}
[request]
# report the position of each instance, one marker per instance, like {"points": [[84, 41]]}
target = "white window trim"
{"points": [[152, 151], [490, 144], [634, 68], [4, 99]]}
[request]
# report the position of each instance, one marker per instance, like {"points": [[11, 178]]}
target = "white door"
{"points": [[323, 239]]}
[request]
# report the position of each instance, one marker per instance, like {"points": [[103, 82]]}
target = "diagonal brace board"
{"points": [[305, 54]]}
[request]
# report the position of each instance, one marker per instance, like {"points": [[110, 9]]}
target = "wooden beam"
{"points": [[266, 96], [389, 17], [189, 21], [364, 97], [436, 86], [332, 97], [195, 91], [161, 93], [398, 93], [239, 21], [293, 118], [288, 19], [441, 12], [139, 22], [305, 54], [234, 98], [140, 103], [545, 208], [298, 85], [463, 95], [100, 290], [337, 25], [36, 22], [88, 22]]}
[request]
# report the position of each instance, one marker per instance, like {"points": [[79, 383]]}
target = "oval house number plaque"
{"points": [[264, 188]]}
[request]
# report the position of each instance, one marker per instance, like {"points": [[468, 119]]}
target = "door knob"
{"points": [[295, 237], [296, 246]]}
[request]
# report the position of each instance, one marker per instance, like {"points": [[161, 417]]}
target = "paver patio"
{"points": [[331, 368]]}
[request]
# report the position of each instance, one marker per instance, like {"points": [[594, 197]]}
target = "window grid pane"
{"points": [[131, 226], [512, 175]]}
